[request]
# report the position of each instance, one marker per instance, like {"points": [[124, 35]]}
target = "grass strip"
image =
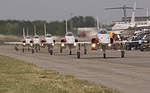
{"points": [[20, 77]]}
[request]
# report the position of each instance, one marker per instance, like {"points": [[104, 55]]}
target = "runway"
{"points": [[129, 75]]}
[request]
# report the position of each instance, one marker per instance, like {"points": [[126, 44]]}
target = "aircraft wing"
{"points": [[84, 43], [77, 42], [121, 8], [81, 43], [126, 41], [13, 43], [114, 8], [57, 43], [143, 27]]}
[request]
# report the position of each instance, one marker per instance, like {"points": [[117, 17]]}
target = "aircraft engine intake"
{"points": [[43, 41], [94, 42], [63, 41], [23, 42], [31, 43], [76, 40]]}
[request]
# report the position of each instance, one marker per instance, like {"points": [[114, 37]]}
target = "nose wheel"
{"points": [[61, 50], [104, 56], [78, 52], [32, 51], [70, 52], [104, 52], [36, 48], [50, 51], [122, 54], [85, 50], [78, 55], [16, 48], [23, 49], [39, 48], [122, 50]]}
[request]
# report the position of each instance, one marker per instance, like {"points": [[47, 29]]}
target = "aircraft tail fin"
{"points": [[23, 33], [133, 16], [45, 32], [27, 32], [66, 26], [97, 23], [147, 13], [101, 24], [34, 29]]}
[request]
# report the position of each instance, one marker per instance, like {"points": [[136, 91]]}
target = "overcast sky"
{"points": [[52, 10]]}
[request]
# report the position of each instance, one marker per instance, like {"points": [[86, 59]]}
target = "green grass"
{"points": [[20, 77], [10, 38]]}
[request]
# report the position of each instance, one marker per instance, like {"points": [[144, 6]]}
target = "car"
{"points": [[146, 44]]}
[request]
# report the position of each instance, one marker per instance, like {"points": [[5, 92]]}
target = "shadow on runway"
{"points": [[101, 58], [64, 54]]}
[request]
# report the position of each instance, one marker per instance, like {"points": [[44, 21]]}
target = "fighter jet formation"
{"points": [[104, 39], [100, 41]]}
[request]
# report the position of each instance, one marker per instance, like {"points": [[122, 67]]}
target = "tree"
{"points": [[14, 27]]}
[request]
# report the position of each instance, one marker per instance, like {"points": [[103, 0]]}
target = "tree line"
{"points": [[14, 27]]}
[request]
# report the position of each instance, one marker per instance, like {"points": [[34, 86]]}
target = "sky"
{"points": [[51, 10]]}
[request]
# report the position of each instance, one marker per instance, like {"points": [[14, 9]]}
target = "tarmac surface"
{"points": [[129, 75]]}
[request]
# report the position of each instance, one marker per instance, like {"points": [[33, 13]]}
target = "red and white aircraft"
{"points": [[24, 42], [42, 42], [68, 41], [48, 41], [28, 40], [100, 41], [35, 43]]}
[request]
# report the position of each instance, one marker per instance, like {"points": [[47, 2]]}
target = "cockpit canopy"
{"points": [[36, 36], [49, 35], [103, 31], [69, 34]]}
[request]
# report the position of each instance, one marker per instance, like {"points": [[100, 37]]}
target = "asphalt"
{"points": [[1, 42], [129, 75]]}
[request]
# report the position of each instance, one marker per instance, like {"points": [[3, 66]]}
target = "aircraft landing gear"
{"points": [[50, 50], [16, 48], [36, 48], [104, 55], [78, 55], [32, 51], [104, 52], [61, 50], [78, 52], [23, 49], [122, 54], [70, 52], [39, 48], [85, 50], [122, 51]]}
